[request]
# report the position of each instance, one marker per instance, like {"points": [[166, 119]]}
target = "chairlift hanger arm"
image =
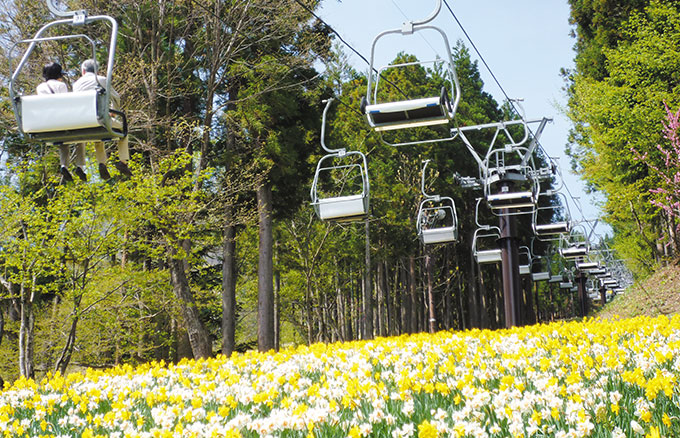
{"points": [[340, 151], [534, 140], [422, 181], [430, 17], [592, 229], [52, 6]]}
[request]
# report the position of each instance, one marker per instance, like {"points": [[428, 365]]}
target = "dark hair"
{"points": [[52, 71]]}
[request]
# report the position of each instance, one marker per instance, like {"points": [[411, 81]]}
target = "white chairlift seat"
{"points": [[555, 278], [587, 266], [573, 252], [439, 235], [342, 208], [566, 285], [523, 199], [437, 221], [551, 229], [540, 276], [598, 271], [488, 256], [70, 117], [610, 284], [426, 111]]}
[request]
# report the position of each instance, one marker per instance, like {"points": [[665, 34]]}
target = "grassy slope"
{"points": [[657, 295]]}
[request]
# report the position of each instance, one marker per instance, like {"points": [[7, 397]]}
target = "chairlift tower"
{"points": [[508, 202]]}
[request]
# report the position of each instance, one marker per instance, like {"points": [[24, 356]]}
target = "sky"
{"points": [[526, 43]]}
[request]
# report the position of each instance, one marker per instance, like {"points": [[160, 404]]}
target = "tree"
{"points": [[617, 112]]}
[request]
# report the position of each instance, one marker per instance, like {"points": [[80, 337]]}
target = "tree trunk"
{"points": [[66, 352], [26, 366], [339, 306], [2, 324], [432, 320], [347, 308], [277, 297], [405, 301], [229, 288], [391, 316], [539, 318], [380, 283], [265, 271], [368, 294], [413, 294], [198, 336]]}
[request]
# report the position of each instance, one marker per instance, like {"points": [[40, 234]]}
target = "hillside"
{"points": [[657, 295]]}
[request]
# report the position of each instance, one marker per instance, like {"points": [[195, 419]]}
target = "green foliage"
{"points": [[622, 109]]}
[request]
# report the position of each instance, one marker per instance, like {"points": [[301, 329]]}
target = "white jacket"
{"points": [[51, 86], [90, 81]]}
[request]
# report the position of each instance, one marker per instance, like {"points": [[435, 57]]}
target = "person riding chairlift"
{"points": [[90, 80], [53, 76]]}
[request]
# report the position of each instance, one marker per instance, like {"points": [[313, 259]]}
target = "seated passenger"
{"points": [[54, 84], [90, 80]]}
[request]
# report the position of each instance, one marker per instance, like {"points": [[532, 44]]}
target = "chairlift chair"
{"points": [[505, 197], [68, 117], [524, 260], [540, 264], [575, 245], [437, 221], [483, 250], [510, 189], [567, 281], [340, 207], [551, 228], [412, 112], [610, 284]]}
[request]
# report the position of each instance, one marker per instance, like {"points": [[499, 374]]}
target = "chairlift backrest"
{"points": [[525, 260], [68, 117], [412, 112]]}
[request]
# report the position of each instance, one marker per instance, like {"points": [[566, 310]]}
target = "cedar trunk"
{"points": [[368, 294], [198, 336], [265, 271], [229, 291]]}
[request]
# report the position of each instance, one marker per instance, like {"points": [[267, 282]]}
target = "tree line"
{"points": [[622, 91]]}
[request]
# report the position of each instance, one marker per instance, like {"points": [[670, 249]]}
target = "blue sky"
{"points": [[525, 43]]}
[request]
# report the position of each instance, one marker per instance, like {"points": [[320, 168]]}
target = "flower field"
{"points": [[591, 378]]}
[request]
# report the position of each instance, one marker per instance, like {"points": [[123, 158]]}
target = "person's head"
{"points": [[52, 71], [88, 66]]}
